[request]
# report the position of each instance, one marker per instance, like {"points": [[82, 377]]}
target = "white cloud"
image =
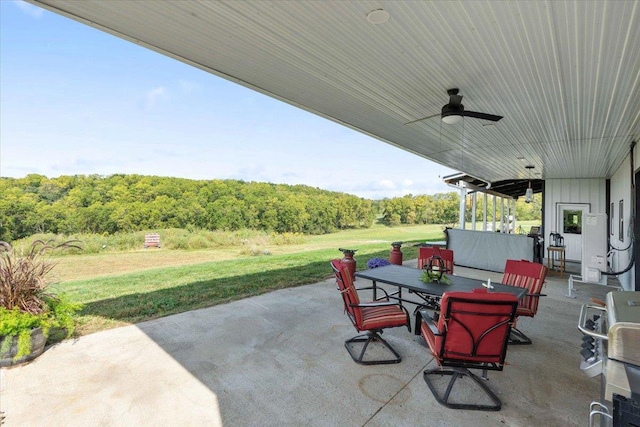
{"points": [[29, 9], [155, 95], [407, 182], [385, 184], [187, 86]]}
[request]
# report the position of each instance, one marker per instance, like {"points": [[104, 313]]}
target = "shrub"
{"points": [[25, 301]]}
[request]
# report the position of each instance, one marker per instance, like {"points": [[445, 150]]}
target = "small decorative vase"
{"points": [[349, 261], [395, 256]]}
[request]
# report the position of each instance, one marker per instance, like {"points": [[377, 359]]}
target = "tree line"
{"points": [[125, 203], [444, 208]]}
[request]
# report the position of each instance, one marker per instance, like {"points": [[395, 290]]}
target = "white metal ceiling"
{"points": [[565, 75]]}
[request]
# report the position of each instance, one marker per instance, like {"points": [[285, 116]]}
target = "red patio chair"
{"points": [[428, 252], [529, 275], [471, 332], [371, 317]]}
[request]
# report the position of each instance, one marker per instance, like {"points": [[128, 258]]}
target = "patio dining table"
{"points": [[411, 279]]}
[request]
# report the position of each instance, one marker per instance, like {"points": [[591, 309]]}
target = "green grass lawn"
{"points": [[160, 282]]}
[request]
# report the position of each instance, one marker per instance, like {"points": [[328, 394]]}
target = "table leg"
{"points": [[556, 262]]}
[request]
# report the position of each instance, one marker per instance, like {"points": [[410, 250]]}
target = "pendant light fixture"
{"points": [[528, 195]]}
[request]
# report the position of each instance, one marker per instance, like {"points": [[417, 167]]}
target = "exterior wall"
{"points": [[621, 251], [592, 191]]}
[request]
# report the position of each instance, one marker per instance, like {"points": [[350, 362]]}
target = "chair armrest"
{"points": [[427, 320], [386, 295], [535, 295], [374, 304]]}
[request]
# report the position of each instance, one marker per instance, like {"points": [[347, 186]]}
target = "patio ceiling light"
{"points": [[451, 118], [378, 16], [528, 195]]}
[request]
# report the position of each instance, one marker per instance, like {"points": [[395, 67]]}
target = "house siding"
{"points": [[621, 252], [571, 191], [593, 191]]}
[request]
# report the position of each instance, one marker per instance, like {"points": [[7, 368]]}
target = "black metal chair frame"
{"points": [[459, 369], [517, 337], [372, 335], [367, 338]]}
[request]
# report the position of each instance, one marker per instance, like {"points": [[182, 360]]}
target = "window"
{"points": [[572, 222], [611, 216], [621, 222]]}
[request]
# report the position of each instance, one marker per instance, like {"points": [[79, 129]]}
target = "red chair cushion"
{"points": [[366, 318], [348, 291], [465, 324], [529, 275], [382, 317]]}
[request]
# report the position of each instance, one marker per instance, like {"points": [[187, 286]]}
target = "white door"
{"points": [[569, 225]]}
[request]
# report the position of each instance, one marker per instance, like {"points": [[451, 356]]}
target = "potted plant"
{"points": [[29, 311], [434, 271], [377, 262]]}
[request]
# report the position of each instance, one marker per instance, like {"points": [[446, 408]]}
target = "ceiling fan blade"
{"points": [[483, 116], [455, 108], [424, 118]]}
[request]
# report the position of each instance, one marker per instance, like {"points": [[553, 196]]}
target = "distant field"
{"points": [[79, 267]]}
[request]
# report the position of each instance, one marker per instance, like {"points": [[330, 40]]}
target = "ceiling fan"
{"points": [[454, 111]]}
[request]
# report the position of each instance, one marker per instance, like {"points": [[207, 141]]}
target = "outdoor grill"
{"points": [[611, 348]]}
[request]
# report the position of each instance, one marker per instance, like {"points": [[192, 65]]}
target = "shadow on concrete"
{"points": [[278, 359]]}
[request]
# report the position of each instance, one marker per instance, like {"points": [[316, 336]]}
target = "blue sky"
{"points": [[74, 100]]}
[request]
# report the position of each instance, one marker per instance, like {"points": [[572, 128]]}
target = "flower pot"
{"points": [[9, 351]]}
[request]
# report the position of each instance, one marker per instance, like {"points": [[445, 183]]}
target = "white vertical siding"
{"points": [[593, 191], [621, 190]]}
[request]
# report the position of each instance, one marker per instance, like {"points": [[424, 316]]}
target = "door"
{"points": [[569, 225]]}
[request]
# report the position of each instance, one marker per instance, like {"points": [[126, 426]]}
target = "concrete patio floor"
{"points": [[278, 359]]}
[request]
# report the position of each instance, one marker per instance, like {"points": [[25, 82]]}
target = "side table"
{"points": [[555, 259]]}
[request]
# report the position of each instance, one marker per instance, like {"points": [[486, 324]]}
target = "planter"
{"points": [[9, 351]]}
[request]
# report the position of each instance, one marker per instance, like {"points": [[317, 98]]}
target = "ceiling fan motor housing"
{"points": [[454, 107], [452, 110]]}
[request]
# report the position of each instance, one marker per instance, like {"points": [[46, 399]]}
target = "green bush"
{"points": [[58, 316], [26, 302]]}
